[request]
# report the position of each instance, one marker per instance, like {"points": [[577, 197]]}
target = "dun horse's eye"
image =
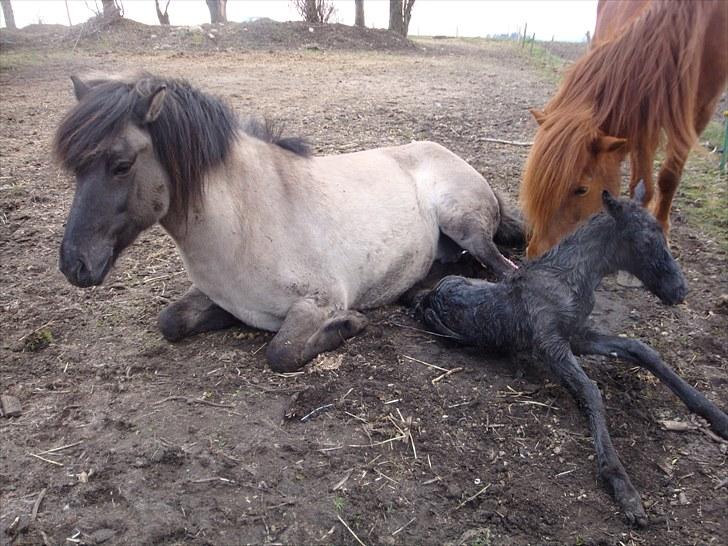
{"points": [[121, 168], [581, 190]]}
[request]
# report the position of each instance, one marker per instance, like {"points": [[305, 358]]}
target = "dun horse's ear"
{"points": [[611, 204], [148, 108], [79, 88], [639, 192], [538, 115], [606, 144]]}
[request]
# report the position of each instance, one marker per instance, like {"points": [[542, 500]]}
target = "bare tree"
{"points": [[400, 13], [68, 14], [162, 16], [314, 11], [218, 11], [359, 17], [8, 14], [112, 9]]}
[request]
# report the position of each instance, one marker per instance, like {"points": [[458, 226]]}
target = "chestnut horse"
{"points": [[655, 67]]}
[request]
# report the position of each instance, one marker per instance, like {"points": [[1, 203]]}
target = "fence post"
{"points": [[725, 142]]}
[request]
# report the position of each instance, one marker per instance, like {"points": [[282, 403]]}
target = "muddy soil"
{"points": [[127, 439]]}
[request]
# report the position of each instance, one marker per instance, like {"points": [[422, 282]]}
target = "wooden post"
{"points": [[533, 40], [525, 28]]}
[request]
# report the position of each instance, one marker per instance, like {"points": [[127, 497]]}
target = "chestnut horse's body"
{"points": [[656, 69]]}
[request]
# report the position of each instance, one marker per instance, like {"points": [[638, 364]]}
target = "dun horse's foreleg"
{"points": [[564, 365], [193, 314], [638, 353], [310, 329]]}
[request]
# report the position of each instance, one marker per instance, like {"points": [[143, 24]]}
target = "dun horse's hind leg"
{"points": [[475, 235], [310, 329], [564, 365], [638, 353], [193, 314]]}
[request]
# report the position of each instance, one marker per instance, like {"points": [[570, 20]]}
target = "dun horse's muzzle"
{"points": [[82, 271]]}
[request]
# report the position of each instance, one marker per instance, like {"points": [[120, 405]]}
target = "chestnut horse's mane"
{"points": [[633, 85]]}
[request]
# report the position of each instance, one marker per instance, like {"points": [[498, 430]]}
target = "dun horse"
{"points": [[656, 66], [270, 235], [543, 309]]}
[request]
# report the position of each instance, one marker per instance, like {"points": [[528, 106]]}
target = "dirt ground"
{"points": [[127, 439]]}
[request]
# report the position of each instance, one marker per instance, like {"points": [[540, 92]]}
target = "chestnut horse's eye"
{"points": [[122, 168], [581, 190]]}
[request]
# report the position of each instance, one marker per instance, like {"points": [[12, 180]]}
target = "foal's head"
{"points": [[139, 150], [570, 164], [642, 249]]}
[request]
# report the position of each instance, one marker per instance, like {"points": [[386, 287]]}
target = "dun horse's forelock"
{"points": [[193, 133], [92, 124]]}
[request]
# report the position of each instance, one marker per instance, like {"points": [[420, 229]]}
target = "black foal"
{"points": [[543, 308]]}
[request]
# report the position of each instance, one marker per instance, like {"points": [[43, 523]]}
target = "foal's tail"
{"points": [[511, 231]]}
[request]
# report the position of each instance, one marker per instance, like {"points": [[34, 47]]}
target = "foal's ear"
{"points": [[148, 107], [79, 88], [639, 192], [612, 205], [538, 115], [606, 144]]}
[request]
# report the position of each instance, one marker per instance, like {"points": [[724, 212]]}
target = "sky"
{"points": [[564, 20]]}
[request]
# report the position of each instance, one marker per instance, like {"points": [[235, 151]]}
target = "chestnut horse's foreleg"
{"points": [[310, 329], [667, 182], [193, 314], [563, 364], [638, 353], [641, 159]]}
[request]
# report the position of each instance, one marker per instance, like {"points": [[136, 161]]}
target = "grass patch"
{"points": [[703, 193]]}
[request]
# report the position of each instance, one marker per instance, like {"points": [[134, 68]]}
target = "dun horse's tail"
{"points": [[511, 231]]}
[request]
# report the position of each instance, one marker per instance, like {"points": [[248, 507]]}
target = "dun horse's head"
{"points": [[121, 187], [571, 163], [642, 249]]}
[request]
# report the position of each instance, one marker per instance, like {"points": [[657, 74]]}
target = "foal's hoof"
{"points": [[633, 511]]}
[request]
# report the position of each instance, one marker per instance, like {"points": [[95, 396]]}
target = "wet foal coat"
{"points": [[543, 309]]}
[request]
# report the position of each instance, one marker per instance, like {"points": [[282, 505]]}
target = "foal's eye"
{"points": [[581, 190], [121, 168]]}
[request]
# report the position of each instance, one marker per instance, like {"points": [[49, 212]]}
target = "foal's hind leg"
{"points": [[310, 329], [564, 365], [638, 353], [193, 314]]}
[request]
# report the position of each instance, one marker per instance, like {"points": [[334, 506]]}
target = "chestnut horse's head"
{"points": [[570, 164]]}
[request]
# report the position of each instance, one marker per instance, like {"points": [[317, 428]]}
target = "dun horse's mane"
{"points": [[634, 86], [193, 133]]}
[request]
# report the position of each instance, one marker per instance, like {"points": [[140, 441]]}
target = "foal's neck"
{"points": [[588, 255]]}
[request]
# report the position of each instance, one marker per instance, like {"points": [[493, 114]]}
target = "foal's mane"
{"points": [[193, 133], [634, 86]]}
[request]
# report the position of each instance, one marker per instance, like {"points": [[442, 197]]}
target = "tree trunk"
{"points": [[218, 13], [359, 18], [111, 10], [163, 17], [407, 15], [8, 14], [395, 16]]}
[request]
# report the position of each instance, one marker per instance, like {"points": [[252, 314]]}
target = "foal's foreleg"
{"points": [[193, 314], [310, 329], [638, 353], [564, 365]]}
